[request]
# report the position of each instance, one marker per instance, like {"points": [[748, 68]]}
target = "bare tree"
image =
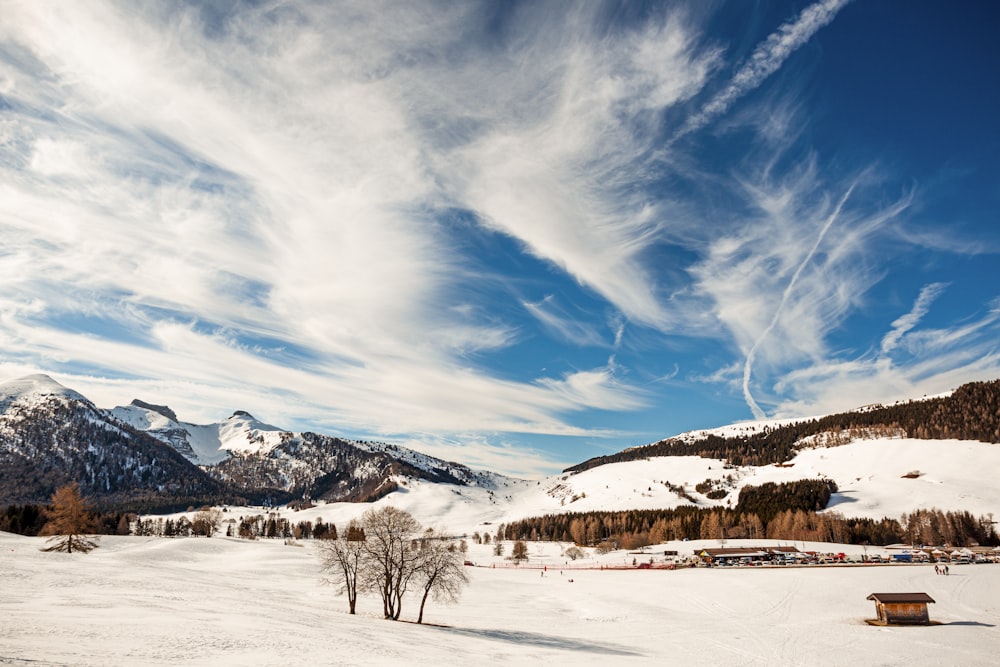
{"points": [[386, 552], [206, 522], [391, 555], [69, 521], [343, 558], [441, 571], [520, 551]]}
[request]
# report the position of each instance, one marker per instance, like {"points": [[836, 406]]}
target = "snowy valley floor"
{"points": [[196, 601]]}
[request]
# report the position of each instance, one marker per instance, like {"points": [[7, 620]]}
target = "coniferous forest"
{"points": [[787, 511], [633, 529]]}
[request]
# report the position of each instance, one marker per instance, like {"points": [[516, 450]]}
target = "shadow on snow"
{"points": [[544, 641]]}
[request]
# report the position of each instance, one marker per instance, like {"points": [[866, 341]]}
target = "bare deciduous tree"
{"points": [[206, 522], [441, 571], [69, 521], [391, 560], [385, 552], [343, 557]]}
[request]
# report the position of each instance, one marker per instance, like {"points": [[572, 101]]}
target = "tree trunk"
{"points": [[423, 601]]}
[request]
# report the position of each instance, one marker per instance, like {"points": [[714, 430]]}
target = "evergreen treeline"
{"points": [[932, 526], [770, 499], [774, 511], [270, 525], [633, 529], [971, 412], [28, 520]]}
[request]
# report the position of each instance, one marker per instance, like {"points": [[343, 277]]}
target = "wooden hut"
{"points": [[902, 608]]}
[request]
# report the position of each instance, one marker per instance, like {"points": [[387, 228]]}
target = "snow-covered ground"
{"points": [[198, 601]]}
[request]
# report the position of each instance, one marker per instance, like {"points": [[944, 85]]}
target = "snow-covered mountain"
{"points": [[202, 444], [878, 468], [885, 460], [252, 455], [50, 434], [34, 389]]}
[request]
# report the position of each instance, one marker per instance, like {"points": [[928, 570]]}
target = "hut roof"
{"points": [[902, 598]]}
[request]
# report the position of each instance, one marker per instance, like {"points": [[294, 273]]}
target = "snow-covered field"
{"points": [[198, 601]]}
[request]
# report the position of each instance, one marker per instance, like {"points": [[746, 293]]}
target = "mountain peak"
{"points": [[158, 409], [244, 414], [36, 385]]}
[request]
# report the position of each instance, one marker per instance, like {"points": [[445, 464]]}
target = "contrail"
{"points": [[906, 322], [766, 59], [748, 364]]}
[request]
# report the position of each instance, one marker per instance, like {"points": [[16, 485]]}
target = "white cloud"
{"points": [[276, 180], [248, 214], [789, 271], [785, 295], [485, 452], [906, 322], [570, 329], [936, 360], [556, 175]]}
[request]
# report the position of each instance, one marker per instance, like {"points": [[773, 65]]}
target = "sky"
{"points": [[514, 235]]}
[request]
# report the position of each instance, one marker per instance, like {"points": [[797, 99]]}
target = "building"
{"points": [[746, 554], [902, 608]]}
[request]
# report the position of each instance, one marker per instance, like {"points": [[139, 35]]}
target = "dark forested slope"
{"points": [[971, 412]]}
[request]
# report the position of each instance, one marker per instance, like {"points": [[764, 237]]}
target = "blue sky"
{"points": [[515, 235]]}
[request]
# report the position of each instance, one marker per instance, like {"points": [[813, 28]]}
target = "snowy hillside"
{"points": [[953, 475]]}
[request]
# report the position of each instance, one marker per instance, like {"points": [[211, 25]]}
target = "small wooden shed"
{"points": [[902, 608]]}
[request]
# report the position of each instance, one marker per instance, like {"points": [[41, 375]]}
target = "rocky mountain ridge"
{"points": [[141, 456]]}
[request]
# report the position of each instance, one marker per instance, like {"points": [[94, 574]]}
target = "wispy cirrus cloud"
{"points": [[906, 322], [785, 295], [556, 176], [794, 268], [941, 359], [574, 330], [254, 205], [262, 189]]}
